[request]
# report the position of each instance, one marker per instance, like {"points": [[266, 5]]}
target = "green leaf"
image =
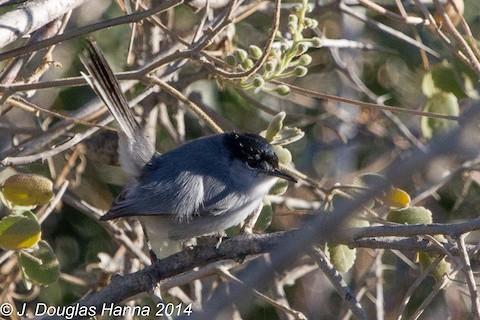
{"points": [[284, 155], [266, 216], [279, 188], [275, 126], [356, 222], [442, 268], [19, 231], [27, 190], [428, 85], [287, 135], [411, 215], [341, 256], [443, 78], [442, 103], [40, 266]]}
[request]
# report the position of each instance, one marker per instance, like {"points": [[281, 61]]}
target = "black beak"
{"points": [[277, 173]]}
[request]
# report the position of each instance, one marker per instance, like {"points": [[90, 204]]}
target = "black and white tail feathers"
{"points": [[134, 149]]}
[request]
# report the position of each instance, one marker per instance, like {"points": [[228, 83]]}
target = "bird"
{"points": [[202, 187]]}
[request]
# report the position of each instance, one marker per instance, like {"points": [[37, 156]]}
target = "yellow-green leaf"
{"points": [[265, 217], [444, 77], [428, 85], [411, 215], [397, 198], [356, 222], [341, 256], [40, 266], [442, 103], [284, 155], [442, 268], [19, 231], [275, 126], [27, 190], [279, 188], [287, 135]]}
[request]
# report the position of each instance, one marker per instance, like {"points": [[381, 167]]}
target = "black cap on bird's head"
{"points": [[256, 152]]}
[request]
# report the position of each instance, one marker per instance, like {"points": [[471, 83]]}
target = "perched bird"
{"points": [[203, 187]]}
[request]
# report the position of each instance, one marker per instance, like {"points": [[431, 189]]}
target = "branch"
{"points": [[415, 230], [386, 29], [337, 281], [381, 10], [467, 269], [124, 287], [315, 94], [237, 249], [134, 17], [31, 16], [296, 314], [265, 52], [471, 60], [190, 104]]}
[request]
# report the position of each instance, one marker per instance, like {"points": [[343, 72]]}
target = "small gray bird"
{"points": [[203, 187]]}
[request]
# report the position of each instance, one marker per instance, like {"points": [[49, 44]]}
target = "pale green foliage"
{"points": [[287, 57]]}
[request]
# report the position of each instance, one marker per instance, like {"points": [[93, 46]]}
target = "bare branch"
{"points": [[337, 281], [467, 270], [134, 17], [31, 16]]}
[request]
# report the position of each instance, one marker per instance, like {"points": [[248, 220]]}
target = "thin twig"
{"points": [[440, 33], [379, 281], [384, 28], [414, 286], [297, 314], [265, 52], [467, 270], [381, 10], [118, 233], [357, 103], [436, 290], [192, 106], [48, 208], [466, 28], [42, 156], [416, 229], [337, 281], [37, 142], [126, 19], [346, 70], [471, 59], [30, 107], [200, 273]]}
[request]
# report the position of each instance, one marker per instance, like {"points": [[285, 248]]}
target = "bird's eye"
{"points": [[253, 163]]}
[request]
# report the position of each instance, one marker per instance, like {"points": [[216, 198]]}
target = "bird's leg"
{"points": [[252, 220], [189, 244], [220, 236], [153, 256]]}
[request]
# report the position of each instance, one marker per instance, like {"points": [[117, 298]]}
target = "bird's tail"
{"points": [[134, 149]]}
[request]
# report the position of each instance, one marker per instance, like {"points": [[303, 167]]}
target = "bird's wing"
{"points": [[219, 197], [165, 197]]}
